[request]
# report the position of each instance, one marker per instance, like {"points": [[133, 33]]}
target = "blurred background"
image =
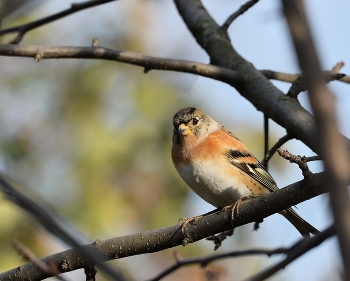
{"points": [[92, 138]]}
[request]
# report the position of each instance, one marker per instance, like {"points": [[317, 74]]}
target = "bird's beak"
{"points": [[184, 130]]}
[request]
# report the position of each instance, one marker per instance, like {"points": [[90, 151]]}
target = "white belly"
{"points": [[210, 183]]}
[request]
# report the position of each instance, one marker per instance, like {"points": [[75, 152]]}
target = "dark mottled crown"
{"points": [[185, 115]]}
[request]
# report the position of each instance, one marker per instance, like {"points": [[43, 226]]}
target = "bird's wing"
{"points": [[242, 158]]}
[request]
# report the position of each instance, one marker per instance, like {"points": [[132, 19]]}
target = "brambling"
{"points": [[218, 167]]}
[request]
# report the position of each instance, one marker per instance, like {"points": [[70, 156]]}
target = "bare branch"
{"points": [[236, 14], [299, 85], [204, 261], [75, 7], [332, 146], [300, 122], [149, 63], [299, 160], [255, 87], [313, 158], [56, 226], [294, 252], [266, 139], [29, 256], [286, 77], [277, 145], [280, 76], [298, 249], [160, 239], [337, 67]]}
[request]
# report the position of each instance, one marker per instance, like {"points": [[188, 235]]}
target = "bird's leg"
{"points": [[193, 219], [235, 207]]}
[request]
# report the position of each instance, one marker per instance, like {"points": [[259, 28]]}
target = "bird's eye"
{"points": [[195, 121]]}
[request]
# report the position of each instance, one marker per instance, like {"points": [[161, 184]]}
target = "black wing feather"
{"points": [[255, 170]]}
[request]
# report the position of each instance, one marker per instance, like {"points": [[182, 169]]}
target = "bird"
{"points": [[217, 166]]}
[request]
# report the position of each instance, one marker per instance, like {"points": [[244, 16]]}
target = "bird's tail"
{"points": [[299, 223]]}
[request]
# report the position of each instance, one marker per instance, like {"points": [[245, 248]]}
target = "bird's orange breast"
{"points": [[191, 148]]}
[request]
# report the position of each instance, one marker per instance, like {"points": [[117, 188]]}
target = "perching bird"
{"points": [[218, 167]]}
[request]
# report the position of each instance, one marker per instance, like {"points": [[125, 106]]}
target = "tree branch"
{"points": [[255, 87], [332, 146], [97, 52], [284, 111], [75, 7], [286, 77], [204, 261], [236, 14], [295, 252], [299, 85], [56, 226], [160, 239], [297, 159], [277, 145], [266, 140], [29, 256], [313, 158]]}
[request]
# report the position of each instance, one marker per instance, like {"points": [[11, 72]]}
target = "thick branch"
{"points": [[160, 239], [96, 52], [56, 226], [283, 110], [255, 86], [332, 146]]}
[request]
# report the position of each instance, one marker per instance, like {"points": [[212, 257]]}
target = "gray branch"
{"points": [[147, 62], [255, 87], [164, 238]]}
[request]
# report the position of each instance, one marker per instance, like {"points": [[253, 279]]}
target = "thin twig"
{"points": [[54, 224], [313, 158], [277, 145], [287, 77], [299, 85], [297, 159], [236, 14], [98, 52], [337, 67], [266, 139], [171, 236], [29, 256], [204, 261], [295, 252], [24, 28]]}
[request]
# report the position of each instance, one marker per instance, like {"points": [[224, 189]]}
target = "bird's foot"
{"points": [[187, 221], [192, 220], [235, 207]]}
